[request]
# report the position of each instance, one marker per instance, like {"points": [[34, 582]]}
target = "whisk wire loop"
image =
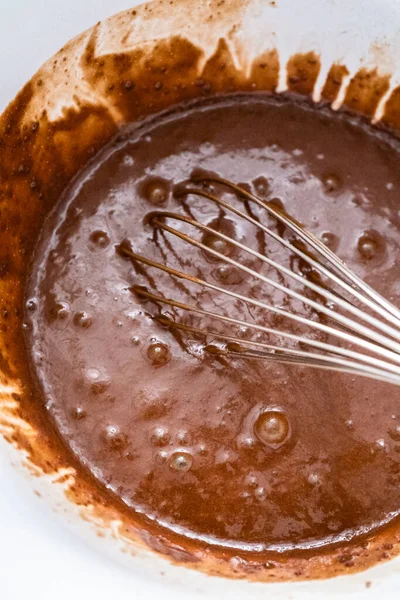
{"points": [[377, 335]]}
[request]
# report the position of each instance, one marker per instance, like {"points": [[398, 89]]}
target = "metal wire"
{"points": [[376, 336]]}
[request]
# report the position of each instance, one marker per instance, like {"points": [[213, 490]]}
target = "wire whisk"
{"points": [[358, 330]]}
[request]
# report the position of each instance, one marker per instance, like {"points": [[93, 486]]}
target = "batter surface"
{"points": [[238, 453]]}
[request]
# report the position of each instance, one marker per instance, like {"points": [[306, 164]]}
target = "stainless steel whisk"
{"points": [[364, 326]]}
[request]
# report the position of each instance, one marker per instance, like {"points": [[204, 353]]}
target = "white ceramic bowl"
{"points": [[363, 38]]}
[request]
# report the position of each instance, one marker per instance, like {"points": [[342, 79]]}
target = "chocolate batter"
{"points": [[234, 453]]}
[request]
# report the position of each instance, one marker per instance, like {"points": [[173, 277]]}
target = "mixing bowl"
{"points": [[124, 69]]}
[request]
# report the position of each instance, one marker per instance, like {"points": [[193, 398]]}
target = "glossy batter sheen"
{"points": [[237, 453]]}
